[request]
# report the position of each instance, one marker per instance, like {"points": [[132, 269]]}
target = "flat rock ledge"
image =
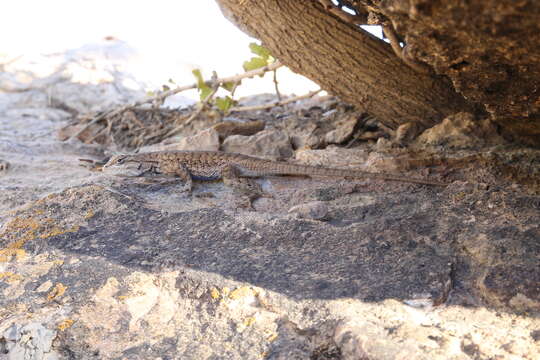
{"points": [[91, 272]]}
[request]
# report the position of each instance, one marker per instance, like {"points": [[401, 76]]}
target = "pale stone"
{"points": [[315, 210], [45, 286], [344, 130], [270, 144], [461, 130]]}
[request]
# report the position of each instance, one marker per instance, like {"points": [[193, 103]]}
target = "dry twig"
{"points": [[197, 112], [162, 96], [274, 104]]}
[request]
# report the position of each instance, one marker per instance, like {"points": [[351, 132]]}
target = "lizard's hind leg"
{"points": [[243, 186]]}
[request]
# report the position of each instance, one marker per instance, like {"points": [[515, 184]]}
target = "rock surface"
{"points": [[461, 130], [92, 267], [270, 144]]}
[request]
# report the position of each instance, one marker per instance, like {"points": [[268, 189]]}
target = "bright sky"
{"points": [[170, 35], [194, 30]]}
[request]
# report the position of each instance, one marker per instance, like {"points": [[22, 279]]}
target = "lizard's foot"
{"points": [[205, 195], [187, 187], [245, 187], [4, 165], [244, 202]]}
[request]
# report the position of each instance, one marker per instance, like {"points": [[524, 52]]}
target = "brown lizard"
{"points": [[234, 169]]}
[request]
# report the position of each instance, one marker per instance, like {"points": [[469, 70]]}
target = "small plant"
{"points": [[208, 89], [259, 65]]}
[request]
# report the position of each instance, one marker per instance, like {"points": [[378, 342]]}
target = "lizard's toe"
{"points": [[4, 165]]}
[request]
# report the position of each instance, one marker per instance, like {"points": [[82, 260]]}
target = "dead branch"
{"points": [[276, 103], [162, 96], [193, 116]]}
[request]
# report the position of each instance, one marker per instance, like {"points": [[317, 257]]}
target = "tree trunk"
{"points": [[346, 61], [490, 49]]}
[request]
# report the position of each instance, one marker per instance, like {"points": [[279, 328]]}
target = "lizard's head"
{"points": [[125, 165]]}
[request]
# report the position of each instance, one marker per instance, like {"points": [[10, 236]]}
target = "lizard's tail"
{"points": [[297, 169]]}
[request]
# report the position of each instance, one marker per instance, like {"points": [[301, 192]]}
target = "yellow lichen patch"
{"points": [[20, 230], [9, 253], [13, 250], [56, 230], [249, 321], [58, 262], [272, 337], [65, 324], [10, 277], [242, 292], [23, 229], [57, 291], [214, 293], [89, 214]]}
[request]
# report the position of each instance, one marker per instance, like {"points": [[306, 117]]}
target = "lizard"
{"points": [[234, 169]]}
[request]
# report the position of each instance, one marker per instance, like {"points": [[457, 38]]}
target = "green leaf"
{"points": [[171, 81], [198, 76], [259, 50], [229, 86], [204, 90], [224, 103], [254, 63]]}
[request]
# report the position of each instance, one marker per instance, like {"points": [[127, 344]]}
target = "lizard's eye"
{"points": [[120, 160]]}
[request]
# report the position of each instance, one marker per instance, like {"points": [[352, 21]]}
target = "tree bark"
{"points": [[346, 61], [490, 49]]}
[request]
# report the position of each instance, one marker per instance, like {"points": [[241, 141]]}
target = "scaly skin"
{"points": [[214, 165]]}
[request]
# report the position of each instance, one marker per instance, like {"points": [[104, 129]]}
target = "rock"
{"points": [[333, 157], [82, 98], [270, 144], [24, 100], [228, 128], [344, 129], [206, 140], [32, 341], [461, 130], [47, 113], [406, 133], [370, 135], [315, 210], [305, 136], [257, 99], [383, 144]]}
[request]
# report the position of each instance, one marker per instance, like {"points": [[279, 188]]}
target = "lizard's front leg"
{"points": [[181, 172], [185, 175]]}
